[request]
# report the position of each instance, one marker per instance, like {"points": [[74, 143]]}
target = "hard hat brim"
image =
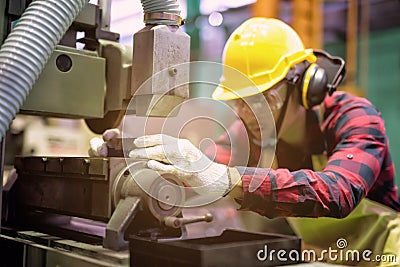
{"points": [[261, 82]]}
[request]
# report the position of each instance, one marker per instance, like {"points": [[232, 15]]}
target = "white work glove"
{"points": [[99, 146], [181, 158]]}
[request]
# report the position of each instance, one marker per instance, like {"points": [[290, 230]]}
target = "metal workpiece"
{"points": [[160, 77]]}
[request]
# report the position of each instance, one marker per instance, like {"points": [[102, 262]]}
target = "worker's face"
{"points": [[247, 110]]}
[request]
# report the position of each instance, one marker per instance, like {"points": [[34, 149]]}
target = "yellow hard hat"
{"points": [[257, 55]]}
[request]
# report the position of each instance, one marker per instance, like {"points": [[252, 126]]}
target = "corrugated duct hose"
{"points": [[27, 49]]}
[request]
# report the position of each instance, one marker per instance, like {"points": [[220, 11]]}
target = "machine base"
{"points": [[30, 248], [232, 248]]}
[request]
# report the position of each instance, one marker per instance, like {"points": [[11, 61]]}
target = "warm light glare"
{"points": [[215, 19], [209, 6]]}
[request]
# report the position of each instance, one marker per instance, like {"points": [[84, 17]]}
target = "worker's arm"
{"points": [[359, 157]]}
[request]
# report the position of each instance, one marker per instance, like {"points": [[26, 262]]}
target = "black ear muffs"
{"points": [[314, 86], [316, 80]]}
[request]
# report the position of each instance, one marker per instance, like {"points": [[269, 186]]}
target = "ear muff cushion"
{"points": [[314, 86]]}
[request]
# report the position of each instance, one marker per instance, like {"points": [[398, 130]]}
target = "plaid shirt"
{"points": [[359, 164]]}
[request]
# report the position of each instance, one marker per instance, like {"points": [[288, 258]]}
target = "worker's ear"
{"points": [[313, 86]]}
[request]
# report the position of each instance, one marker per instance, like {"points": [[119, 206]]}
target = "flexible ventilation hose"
{"points": [[27, 49], [161, 12]]}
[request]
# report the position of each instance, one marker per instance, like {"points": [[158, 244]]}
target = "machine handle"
{"points": [[176, 222]]}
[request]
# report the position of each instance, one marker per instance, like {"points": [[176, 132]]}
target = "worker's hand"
{"points": [[99, 146], [181, 158]]}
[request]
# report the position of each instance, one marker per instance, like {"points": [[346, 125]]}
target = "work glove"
{"points": [[99, 146], [182, 159]]}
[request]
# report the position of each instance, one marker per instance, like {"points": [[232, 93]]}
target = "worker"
{"points": [[331, 161]]}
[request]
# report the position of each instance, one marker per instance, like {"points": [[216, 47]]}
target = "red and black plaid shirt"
{"points": [[359, 164]]}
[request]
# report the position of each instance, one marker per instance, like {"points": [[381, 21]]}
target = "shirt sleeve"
{"points": [[352, 169]]}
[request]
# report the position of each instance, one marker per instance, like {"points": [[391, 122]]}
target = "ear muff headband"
{"points": [[315, 83], [340, 73], [306, 82]]}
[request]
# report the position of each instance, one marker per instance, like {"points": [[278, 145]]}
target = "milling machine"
{"points": [[82, 211]]}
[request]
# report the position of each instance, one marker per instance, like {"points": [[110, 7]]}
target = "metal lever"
{"points": [[176, 222]]}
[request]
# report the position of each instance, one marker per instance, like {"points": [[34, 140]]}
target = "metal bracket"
{"points": [[120, 220]]}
